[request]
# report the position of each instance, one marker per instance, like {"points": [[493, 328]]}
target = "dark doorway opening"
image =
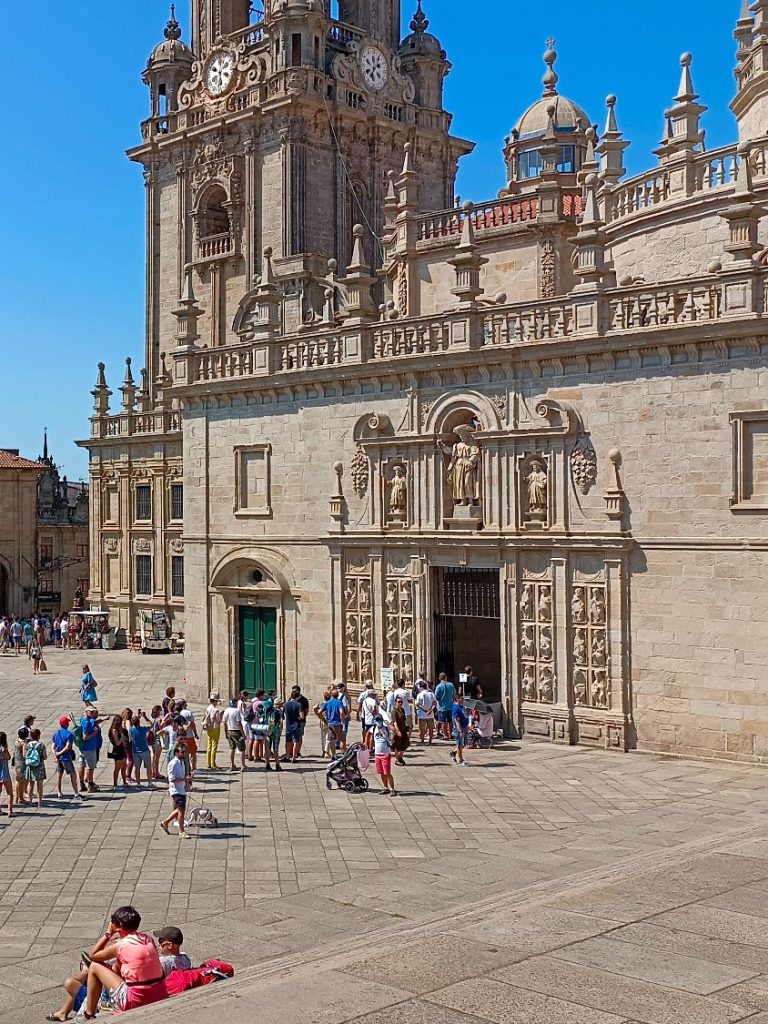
{"points": [[467, 627]]}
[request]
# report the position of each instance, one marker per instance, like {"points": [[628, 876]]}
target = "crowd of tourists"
{"points": [[29, 635]]}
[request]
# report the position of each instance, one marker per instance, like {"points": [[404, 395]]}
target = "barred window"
{"points": [[177, 576], [177, 501], [143, 502], [143, 574]]}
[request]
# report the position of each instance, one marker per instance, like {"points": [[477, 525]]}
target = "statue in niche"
{"points": [[598, 688], [580, 687], [537, 484], [597, 607], [366, 669], [463, 472], [526, 602], [406, 635], [365, 632], [392, 633], [408, 668], [545, 644], [405, 599], [350, 593], [545, 604], [352, 665], [578, 606], [398, 493], [365, 597], [390, 598], [580, 647], [351, 631], [598, 648], [529, 683], [527, 645], [546, 684]]}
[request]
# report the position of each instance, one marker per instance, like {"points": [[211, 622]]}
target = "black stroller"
{"points": [[345, 771]]}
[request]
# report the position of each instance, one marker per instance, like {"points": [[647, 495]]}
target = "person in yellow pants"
{"points": [[212, 727]]}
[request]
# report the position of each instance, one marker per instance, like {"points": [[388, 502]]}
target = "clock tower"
{"points": [[377, 18]]}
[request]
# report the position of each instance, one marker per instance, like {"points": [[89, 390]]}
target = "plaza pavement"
{"points": [[541, 884]]}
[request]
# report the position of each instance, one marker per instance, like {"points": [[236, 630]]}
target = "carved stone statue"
{"points": [[545, 604], [598, 648], [398, 493], [580, 687], [578, 607], [527, 645], [546, 683], [526, 602], [597, 607], [352, 666], [529, 683], [463, 471], [406, 635], [392, 634], [536, 488], [366, 671], [406, 604], [390, 598], [350, 593], [351, 631], [599, 694], [365, 632], [580, 647], [545, 644], [365, 596]]}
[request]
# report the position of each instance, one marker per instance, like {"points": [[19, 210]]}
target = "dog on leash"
{"points": [[202, 816]]}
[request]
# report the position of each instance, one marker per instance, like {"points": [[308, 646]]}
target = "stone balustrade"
{"points": [[611, 314], [136, 424], [499, 213], [250, 36]]}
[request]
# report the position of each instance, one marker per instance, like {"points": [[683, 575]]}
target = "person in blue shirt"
{"points": [[89, 749], [335, 712], [445, 692], [460, 725], [63, 746], [87, 687], [140, 746]]}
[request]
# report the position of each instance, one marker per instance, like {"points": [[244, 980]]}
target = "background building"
{"points": [[377, 429], [18, 532]]}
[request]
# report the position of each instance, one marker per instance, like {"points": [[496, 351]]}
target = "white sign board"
{"points": [[387, 677]]}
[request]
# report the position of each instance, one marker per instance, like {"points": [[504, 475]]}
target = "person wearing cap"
{"points": [[169, 943], [382, 748], [63, 747], [273, 717], [212, 727], [89, 749]]}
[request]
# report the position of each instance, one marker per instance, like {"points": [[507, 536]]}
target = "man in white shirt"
{"points": [[369, 709], [233, 731], [426, 703], [179, 782]]}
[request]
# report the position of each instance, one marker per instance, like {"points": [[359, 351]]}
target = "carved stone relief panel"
{"points": [[358, 625], [589, 655], [537, 669], [399, 626]]}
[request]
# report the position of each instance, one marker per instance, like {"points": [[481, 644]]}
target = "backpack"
{"points": [[250, 714], [77, 735], [32, 757], [208, 972]]}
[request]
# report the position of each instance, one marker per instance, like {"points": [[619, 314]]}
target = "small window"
{"points": [[567, 163], [84, 584], [177, 576], [214, 219], [45, 587], [177, 501], [81, 551], [143, 574], [530, 164], [46, 556], [317, 52], [296, 50], [144, 502]]}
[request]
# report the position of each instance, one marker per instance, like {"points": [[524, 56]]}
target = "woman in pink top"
{"points": [[137, 977]]}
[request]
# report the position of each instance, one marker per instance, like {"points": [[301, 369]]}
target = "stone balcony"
{"points": [[136, 424]]}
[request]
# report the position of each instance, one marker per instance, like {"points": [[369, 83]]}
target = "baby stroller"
{"points": [[480, 732], [346, 771]]}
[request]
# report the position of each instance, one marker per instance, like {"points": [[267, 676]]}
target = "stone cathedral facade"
{"points": [[378, 427]]}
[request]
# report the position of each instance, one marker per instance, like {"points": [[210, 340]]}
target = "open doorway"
{"points": [[467, 627]]}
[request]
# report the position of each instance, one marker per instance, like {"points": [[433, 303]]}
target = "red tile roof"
{"points": [[10, 460]]}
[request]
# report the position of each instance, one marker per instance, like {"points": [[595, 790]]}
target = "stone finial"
{"points": [[589, 242], [591, 164], [358, 282], [143, 396], [686, 92], [407, 160], [420, 22], [337, 498], [612, 146], [128, 388], [614, 497], [467, 263], [187, 313], [551, 77], [407, 183], [172, 28], [101, 393], [743, 214], [683, 135]]}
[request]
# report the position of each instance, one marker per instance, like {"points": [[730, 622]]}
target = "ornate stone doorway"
{"points": [[467, 626]]}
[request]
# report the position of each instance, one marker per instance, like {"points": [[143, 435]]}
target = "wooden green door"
{"points": [[258, 649]]}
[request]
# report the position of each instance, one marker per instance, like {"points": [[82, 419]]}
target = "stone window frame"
{"points": [[139, 575], [244, 510], [739, 502], [172, 518]]}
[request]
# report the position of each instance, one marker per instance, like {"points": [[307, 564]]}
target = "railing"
{"points": [[499, 213], [344, 34], [305, 353], [215, 245], [536, 322], [638, 194], [132, 424], [408, 339], [251, 35]]}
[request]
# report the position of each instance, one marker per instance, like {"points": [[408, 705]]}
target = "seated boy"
{"points": [[169, 943]]}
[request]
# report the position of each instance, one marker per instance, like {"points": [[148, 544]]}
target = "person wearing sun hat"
{"points": [[63, 747], [212, 728]]}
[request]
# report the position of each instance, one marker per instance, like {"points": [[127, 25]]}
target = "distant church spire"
{"points": [[45, 443]]}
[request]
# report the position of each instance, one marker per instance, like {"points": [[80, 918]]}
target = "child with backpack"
{"points": [[34, 765]]}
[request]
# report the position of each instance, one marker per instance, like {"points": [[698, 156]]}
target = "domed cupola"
{"points": [[424, 60], [553, 120], [169, 65]]}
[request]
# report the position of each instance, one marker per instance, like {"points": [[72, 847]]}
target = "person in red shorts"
{"points": [[382, 748]]}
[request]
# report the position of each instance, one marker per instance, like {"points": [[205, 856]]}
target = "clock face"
{"points": [[375, 70], [219, 74]]}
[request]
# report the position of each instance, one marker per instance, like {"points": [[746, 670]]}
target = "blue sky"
{"points": [[72, 262]]}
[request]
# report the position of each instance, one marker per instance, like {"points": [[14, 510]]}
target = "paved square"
{"points": [[542, 883]]}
